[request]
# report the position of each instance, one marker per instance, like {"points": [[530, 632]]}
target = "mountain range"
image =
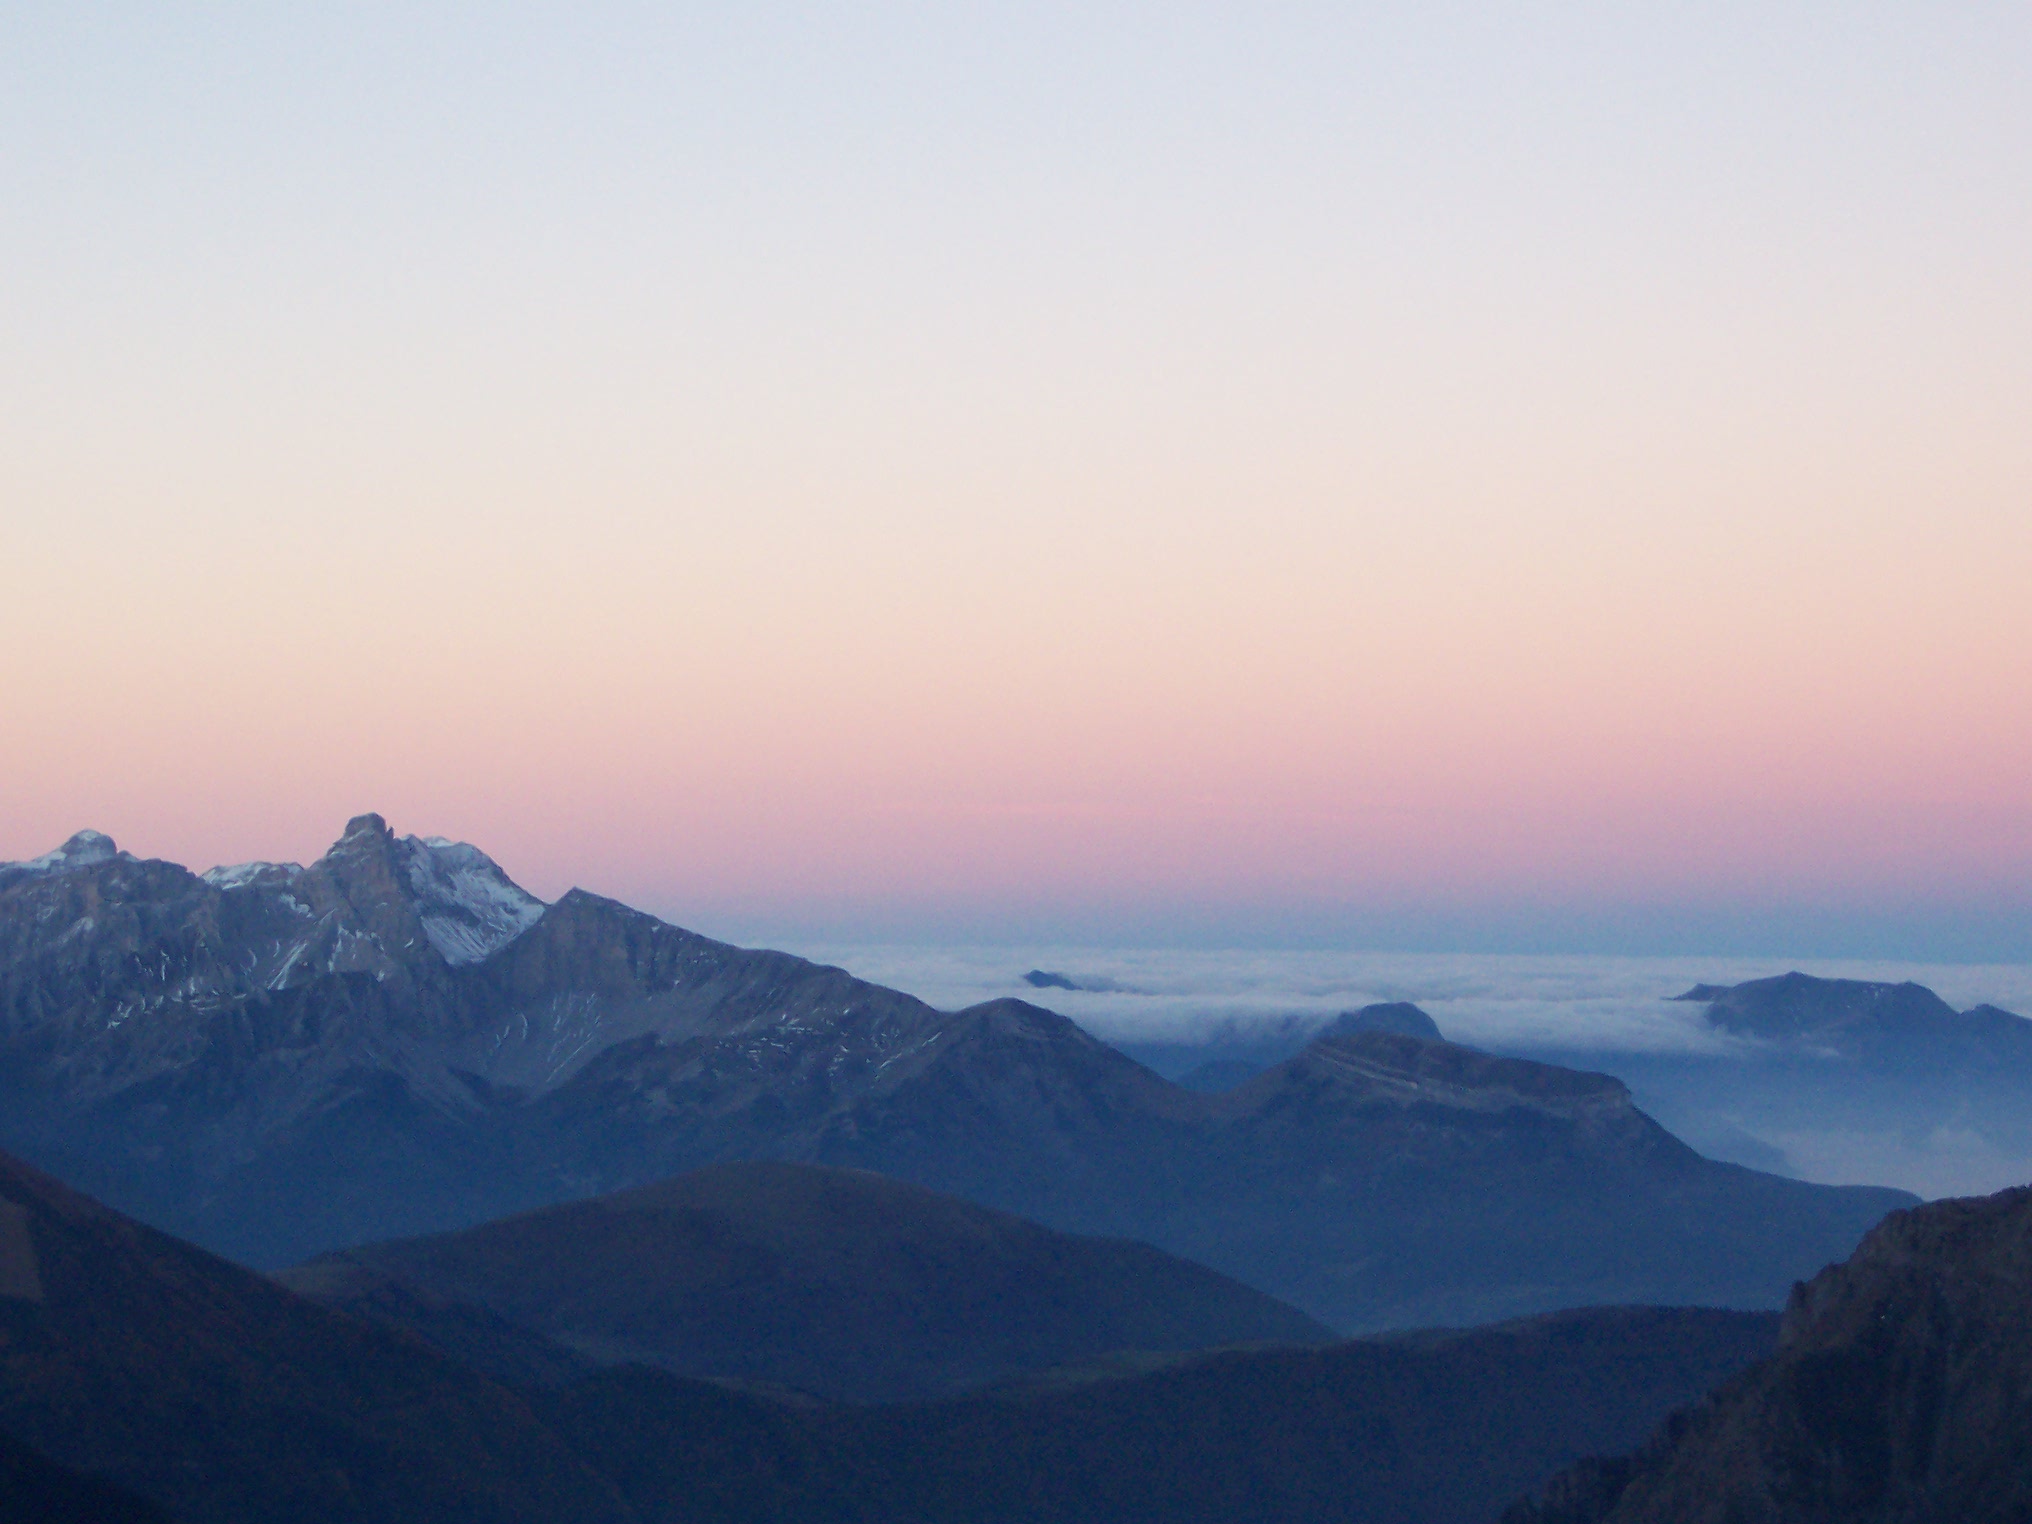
{"points": [[132, 1363], [279, 1061]]}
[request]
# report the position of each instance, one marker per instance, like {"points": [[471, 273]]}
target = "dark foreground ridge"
{"points": [[278, 1061], [836, 1283], [1897, 1395], [222, 1397], [35, 1490]]}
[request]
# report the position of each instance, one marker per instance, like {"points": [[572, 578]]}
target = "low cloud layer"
{"points": [[1541, 1006], [1498, 1001]]}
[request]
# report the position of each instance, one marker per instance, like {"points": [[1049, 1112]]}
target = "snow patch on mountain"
{"points": [[470, 909], [247, 875], [87, 849]]}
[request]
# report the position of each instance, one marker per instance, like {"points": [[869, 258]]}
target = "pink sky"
{"points": [[922, 471]]}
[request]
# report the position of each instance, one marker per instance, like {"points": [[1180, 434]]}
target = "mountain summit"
{"points": [[393, 887]]}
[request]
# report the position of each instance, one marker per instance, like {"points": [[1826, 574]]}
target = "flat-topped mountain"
{"points": [[1847, 1079], [396, 1040], [1898, 1394], [838, 1283], [1877, 1024], [1440, 1160]]}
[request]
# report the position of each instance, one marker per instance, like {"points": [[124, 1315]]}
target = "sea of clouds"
{"points": [[1537, 1006], [1505, 1001]]}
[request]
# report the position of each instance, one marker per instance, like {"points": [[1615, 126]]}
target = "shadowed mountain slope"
{"points": [[1441, 1163], [1428, 1431], [834, 1282], [224, 1397], [277, 1061], [1901, 1392], [141, 1360], [36, 1490]]}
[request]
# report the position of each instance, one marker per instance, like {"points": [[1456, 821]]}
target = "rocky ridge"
{"points": [[1898, 1395]]}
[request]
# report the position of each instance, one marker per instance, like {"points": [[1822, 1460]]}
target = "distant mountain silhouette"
{"points": [[834, 1282], [1847, 1078], [396, 1040], [1041, 979], [1897, 1395], [1878, 1025], [1398, 1016]]}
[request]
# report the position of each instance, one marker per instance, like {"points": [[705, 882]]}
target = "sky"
{"points": [[1510, 479]]}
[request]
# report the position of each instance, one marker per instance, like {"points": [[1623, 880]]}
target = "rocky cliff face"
{"points": [[1901, 1392], [278, 1060]]}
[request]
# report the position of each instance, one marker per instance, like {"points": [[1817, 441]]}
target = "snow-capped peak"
{"points": [[86, 849], [468, 906]]}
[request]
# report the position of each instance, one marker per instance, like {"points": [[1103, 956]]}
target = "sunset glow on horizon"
{"points": [[1163, 472]]}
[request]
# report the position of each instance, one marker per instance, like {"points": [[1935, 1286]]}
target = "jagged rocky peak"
{"points": [[467, 907], [1896, 1395], [81, 851], [85, 849]]}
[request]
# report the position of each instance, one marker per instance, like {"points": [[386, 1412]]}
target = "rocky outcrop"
{"points": [[1901, 1393]]}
